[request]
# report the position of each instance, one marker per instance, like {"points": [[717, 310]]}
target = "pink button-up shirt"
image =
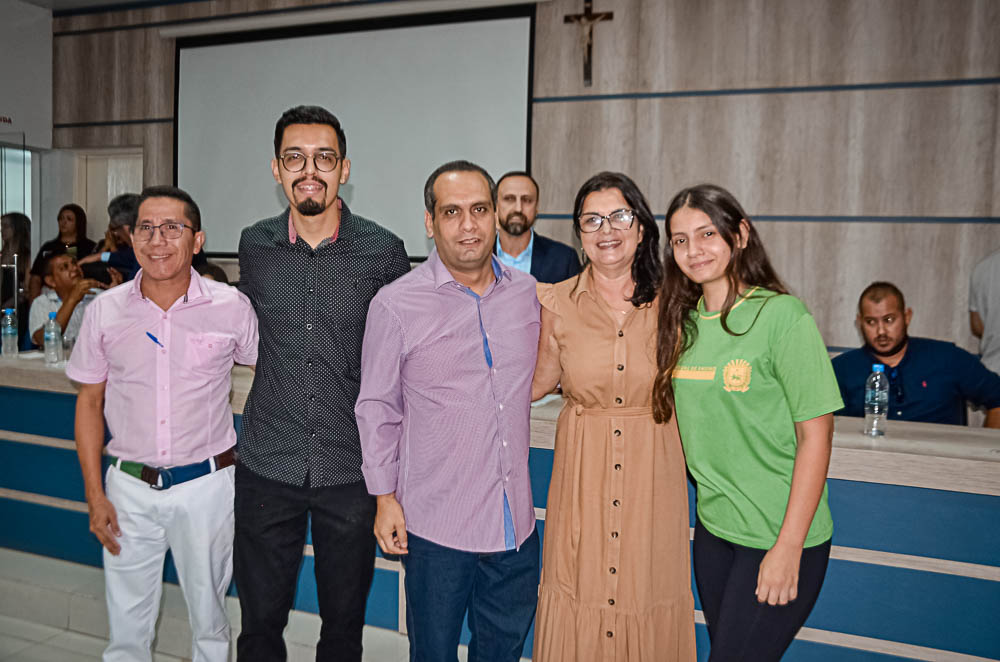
{"points": [[167, 372]]}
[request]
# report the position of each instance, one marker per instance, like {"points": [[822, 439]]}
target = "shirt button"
{"points": [[612, 570], [621, 367], [164, 316], [618, 433], [163, 351], [310, 290], [899, 413], [616, 503], [610, 633], [163, 452], [611, 601], [505, 443], [501, 406], [618, 467], [618, 401], [163, 421], [309, 363], [506, 479], [620, 333], [312, 433], [309, 327], [614, 534]]}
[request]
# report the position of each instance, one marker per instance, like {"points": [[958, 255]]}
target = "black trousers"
{"points": [[271, 520], [739, 627]]}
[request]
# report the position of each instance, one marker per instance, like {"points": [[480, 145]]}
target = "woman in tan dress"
{"points": [[616, 582]]}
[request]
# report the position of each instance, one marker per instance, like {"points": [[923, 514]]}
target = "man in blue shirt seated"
{"points": [[929, 380], [518, 245]]}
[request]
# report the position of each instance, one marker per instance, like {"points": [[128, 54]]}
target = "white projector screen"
{"points": [[409, 98]]}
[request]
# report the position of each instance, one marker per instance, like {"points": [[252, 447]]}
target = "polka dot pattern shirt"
{"points": [[311, 306]]}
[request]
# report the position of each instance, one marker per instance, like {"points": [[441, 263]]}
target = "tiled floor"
{"points": [[24, 641]]}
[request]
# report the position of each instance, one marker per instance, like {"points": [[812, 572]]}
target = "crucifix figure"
{"points": [[586, 21]]}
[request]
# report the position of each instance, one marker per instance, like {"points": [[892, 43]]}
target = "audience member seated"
{"points": [[212, 271], [72, 239], [984, 309], [67, 297], [929, 380], [115, 250]]}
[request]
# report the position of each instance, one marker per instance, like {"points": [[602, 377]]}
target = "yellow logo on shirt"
{"points": [[736, 376]]}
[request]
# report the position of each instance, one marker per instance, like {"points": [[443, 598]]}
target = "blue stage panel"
{"points": [[41, 470], [55, 532], [910, 520], [37, 412]]}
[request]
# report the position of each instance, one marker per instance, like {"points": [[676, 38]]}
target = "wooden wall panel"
{"points": [[659, 45], [918, 152]]}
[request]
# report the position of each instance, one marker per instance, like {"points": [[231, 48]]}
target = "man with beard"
{"points": [[310, 273], [929, 380], [518, 245]]}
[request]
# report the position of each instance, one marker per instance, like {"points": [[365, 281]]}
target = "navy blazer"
{"points": [[552, 261]]}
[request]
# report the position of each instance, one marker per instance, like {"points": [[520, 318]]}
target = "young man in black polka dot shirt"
{"points": [[310, 273]]}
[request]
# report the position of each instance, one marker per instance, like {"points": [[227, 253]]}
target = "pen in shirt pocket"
{"points": [[153, 338]]}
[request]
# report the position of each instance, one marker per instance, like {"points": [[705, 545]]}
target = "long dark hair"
{"points": [[646, 267], [81, 222], [748, 266]]}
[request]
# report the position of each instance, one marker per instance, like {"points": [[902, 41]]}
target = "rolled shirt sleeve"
{"points": [[88, 364], [379, 408]]}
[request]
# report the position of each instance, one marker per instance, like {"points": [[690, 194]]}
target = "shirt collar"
{"points": [[196, 288], [525, 254], [442, 276], [293, 235], [583, 284]]}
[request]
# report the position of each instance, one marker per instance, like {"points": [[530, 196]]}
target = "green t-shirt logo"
{"points": [[736, 376]]}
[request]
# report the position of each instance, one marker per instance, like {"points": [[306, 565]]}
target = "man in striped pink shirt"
{"points": [[446, 367], [153, 358]]}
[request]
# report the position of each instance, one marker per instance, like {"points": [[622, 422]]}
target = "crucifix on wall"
{"points": [[586, 21]]}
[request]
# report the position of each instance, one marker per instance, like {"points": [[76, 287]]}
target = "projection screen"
{"points": [[410, 97]]}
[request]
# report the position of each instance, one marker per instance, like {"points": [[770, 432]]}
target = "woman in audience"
{"points": [[744, 368], [15, 235], [616, 581], [72, 239]]}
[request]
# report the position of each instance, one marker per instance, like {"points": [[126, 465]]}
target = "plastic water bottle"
{"points": [[876, 401], [53, 341], [8, 328]]}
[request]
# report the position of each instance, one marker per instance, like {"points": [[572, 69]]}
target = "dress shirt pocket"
{"points": [[209, 352]]}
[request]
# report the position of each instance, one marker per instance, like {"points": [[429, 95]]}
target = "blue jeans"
{"points": [[499, 590]]}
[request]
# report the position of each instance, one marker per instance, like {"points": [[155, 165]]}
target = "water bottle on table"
{"points": [[876, 401], [53, 341], [8, 329]]}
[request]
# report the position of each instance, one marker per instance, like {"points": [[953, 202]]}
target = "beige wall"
{"points": [[850, 154]]}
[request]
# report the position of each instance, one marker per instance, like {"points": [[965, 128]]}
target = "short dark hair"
{"points": [[518, 173], [456, 166], [122, 209], [190, 207], [45, 262], [308, 115], [879, 290]]}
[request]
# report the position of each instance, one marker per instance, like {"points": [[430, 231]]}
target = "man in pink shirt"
{"points": [[154, 357]]}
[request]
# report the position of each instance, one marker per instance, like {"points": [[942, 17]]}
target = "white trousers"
{"points": [[195, 521]]}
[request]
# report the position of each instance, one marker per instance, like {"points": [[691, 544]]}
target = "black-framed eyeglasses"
{"points": [[296, 161], [619, 219], [169, 230]]}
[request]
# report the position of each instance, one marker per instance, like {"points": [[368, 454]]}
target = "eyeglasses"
{"points": [[620, 219], [170, 230], [296, 161]]}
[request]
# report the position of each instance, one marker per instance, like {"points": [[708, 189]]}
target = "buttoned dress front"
{"points": [[616, 582]]}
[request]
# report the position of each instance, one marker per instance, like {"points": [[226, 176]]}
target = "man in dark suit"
{"points": [[519, 246]]}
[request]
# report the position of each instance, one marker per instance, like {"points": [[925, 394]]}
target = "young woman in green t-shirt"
{"points": [[745, 369]]}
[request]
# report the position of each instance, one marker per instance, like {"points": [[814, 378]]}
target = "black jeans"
{"points": [[271, 520], [739, 627]]}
